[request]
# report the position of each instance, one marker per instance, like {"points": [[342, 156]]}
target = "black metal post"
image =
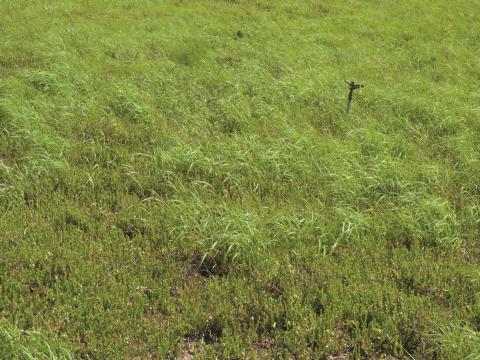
{"points": [[353, 86]]}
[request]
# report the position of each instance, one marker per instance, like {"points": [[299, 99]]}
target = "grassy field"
{"points": [[178, 179]]}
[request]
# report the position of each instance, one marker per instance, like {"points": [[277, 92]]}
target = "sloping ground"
{"points": [[177, 178]]}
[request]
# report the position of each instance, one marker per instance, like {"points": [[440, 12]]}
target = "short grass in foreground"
{"points": [[178, 180]]}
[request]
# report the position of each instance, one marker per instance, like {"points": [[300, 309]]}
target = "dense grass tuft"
{"points": [[18, 344]]}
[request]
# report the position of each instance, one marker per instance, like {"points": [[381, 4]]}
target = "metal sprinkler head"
{"points": [[353, 86]]}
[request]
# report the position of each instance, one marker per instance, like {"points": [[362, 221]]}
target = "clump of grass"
{"points": [[188, 52], [42, 81], [17, 344], [456, 341], [437, 224], [221, 236], [126, 103]]}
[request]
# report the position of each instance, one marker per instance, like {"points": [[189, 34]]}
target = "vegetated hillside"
{"points": [[178, 179]]}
